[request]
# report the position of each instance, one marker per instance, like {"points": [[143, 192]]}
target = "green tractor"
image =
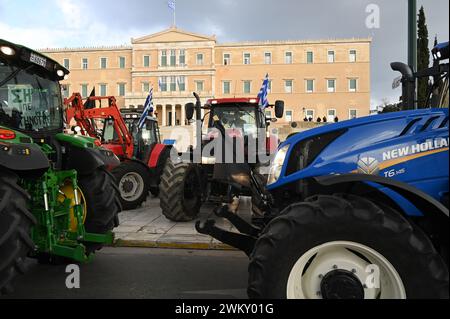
{"points": [[58, 202]]}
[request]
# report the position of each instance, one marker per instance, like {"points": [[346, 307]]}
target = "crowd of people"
{"points": [[320, 120]]}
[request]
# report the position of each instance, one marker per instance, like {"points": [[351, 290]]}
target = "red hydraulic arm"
{"points": [[123, 145]]}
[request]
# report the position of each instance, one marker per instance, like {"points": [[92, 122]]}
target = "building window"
{"points": [[66, 64], [163, 58], [65, 88], [331, 85], [84, 63], [173, 83], [289, 117], [269, 86], [331, 115], [247, 58], [84, 90], [226, 87], [331, 57], [288, 86], [309, 86], [226, 59], [146, 61], [145, 87], [182, 83], [352, 114], [122, 62], [199, 86], [182, 57], [352, 57], [173, 57], [267, 58], [103, 89], [288, 59], [103, 63], [309, 57], [163, 84], [353, 85], [247, 87], [199, 58], [310, 114], [121, 89]]}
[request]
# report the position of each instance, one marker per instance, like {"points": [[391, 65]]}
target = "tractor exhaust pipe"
{"points": [[408, 84]]}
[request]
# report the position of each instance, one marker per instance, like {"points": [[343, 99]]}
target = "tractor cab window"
{"points": [[149, 133], [109, 133], [237, 117], [28, 102]]}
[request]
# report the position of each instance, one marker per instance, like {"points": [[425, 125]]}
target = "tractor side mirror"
{"points": [[189, 107], [279, 109]]}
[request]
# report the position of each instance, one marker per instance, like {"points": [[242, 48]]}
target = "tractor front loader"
{"points": [[140, 150], [58, 201]]}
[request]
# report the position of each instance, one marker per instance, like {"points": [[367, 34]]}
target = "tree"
{"points": [[423, 57]]}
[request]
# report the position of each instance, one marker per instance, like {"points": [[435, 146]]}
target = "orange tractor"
{"points": [[140, 150]]}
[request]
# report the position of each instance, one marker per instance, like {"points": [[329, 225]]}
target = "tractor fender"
{"points": [[431, 209], [139, 162], [23, 157], [158, 159], [87, 159]]}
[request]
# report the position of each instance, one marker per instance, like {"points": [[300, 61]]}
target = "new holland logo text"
{"points": [[430, 145]]}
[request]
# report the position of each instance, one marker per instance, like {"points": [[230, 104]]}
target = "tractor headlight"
{"points": [[277, 165], [7, 50]]}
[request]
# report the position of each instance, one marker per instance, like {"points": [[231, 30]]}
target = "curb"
{"points": [[171, 245]]}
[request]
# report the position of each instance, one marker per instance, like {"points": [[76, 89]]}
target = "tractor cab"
{"points": [[144, 138], [30, 94], [237, 118]]}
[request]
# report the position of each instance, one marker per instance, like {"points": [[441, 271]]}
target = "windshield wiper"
{"points": [[240, 108], [13, 75]]}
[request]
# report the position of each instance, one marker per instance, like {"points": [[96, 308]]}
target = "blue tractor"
{"points": [[355, 210]]}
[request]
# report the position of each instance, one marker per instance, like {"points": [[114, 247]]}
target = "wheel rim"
{"points": [[344, 269], [131, 186]]}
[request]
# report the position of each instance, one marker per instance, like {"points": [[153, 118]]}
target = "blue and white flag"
{"points": [[171, 4], [262, 95], [148, 108]]}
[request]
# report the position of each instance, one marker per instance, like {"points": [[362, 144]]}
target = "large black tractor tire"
{"points": [[103, 203], [134, 183], [324, 220], [15, 229], [180, 192]]}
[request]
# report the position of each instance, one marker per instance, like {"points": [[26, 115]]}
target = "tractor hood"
{"points": [[385, 144]]}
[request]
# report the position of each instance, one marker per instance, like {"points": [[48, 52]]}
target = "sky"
{"points": [[76, 23]]}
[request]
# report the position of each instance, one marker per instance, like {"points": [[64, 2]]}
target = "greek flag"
{"points": [[263, 101], [171, 4], [148, 108]]}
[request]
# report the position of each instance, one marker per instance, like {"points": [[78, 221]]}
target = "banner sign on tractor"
{"points": [[21, 108]]}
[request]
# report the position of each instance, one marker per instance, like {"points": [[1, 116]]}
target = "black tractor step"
{"points": [[239, 241]]}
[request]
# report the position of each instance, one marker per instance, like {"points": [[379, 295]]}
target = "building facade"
{"points": [[316, 79]]}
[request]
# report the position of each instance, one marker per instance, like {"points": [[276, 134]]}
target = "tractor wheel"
{"points": [[103, 204], [180, 192], [345, 247], [134, 182], [15, 229]]}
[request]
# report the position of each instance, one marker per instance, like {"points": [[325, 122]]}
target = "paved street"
{"points": [[143, 273], [147, 227]]}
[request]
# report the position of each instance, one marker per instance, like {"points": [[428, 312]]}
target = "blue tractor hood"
{"points": [[398, 145]]}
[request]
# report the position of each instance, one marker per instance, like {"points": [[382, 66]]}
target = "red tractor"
{"points": [[140, 150], [199, 174]]}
